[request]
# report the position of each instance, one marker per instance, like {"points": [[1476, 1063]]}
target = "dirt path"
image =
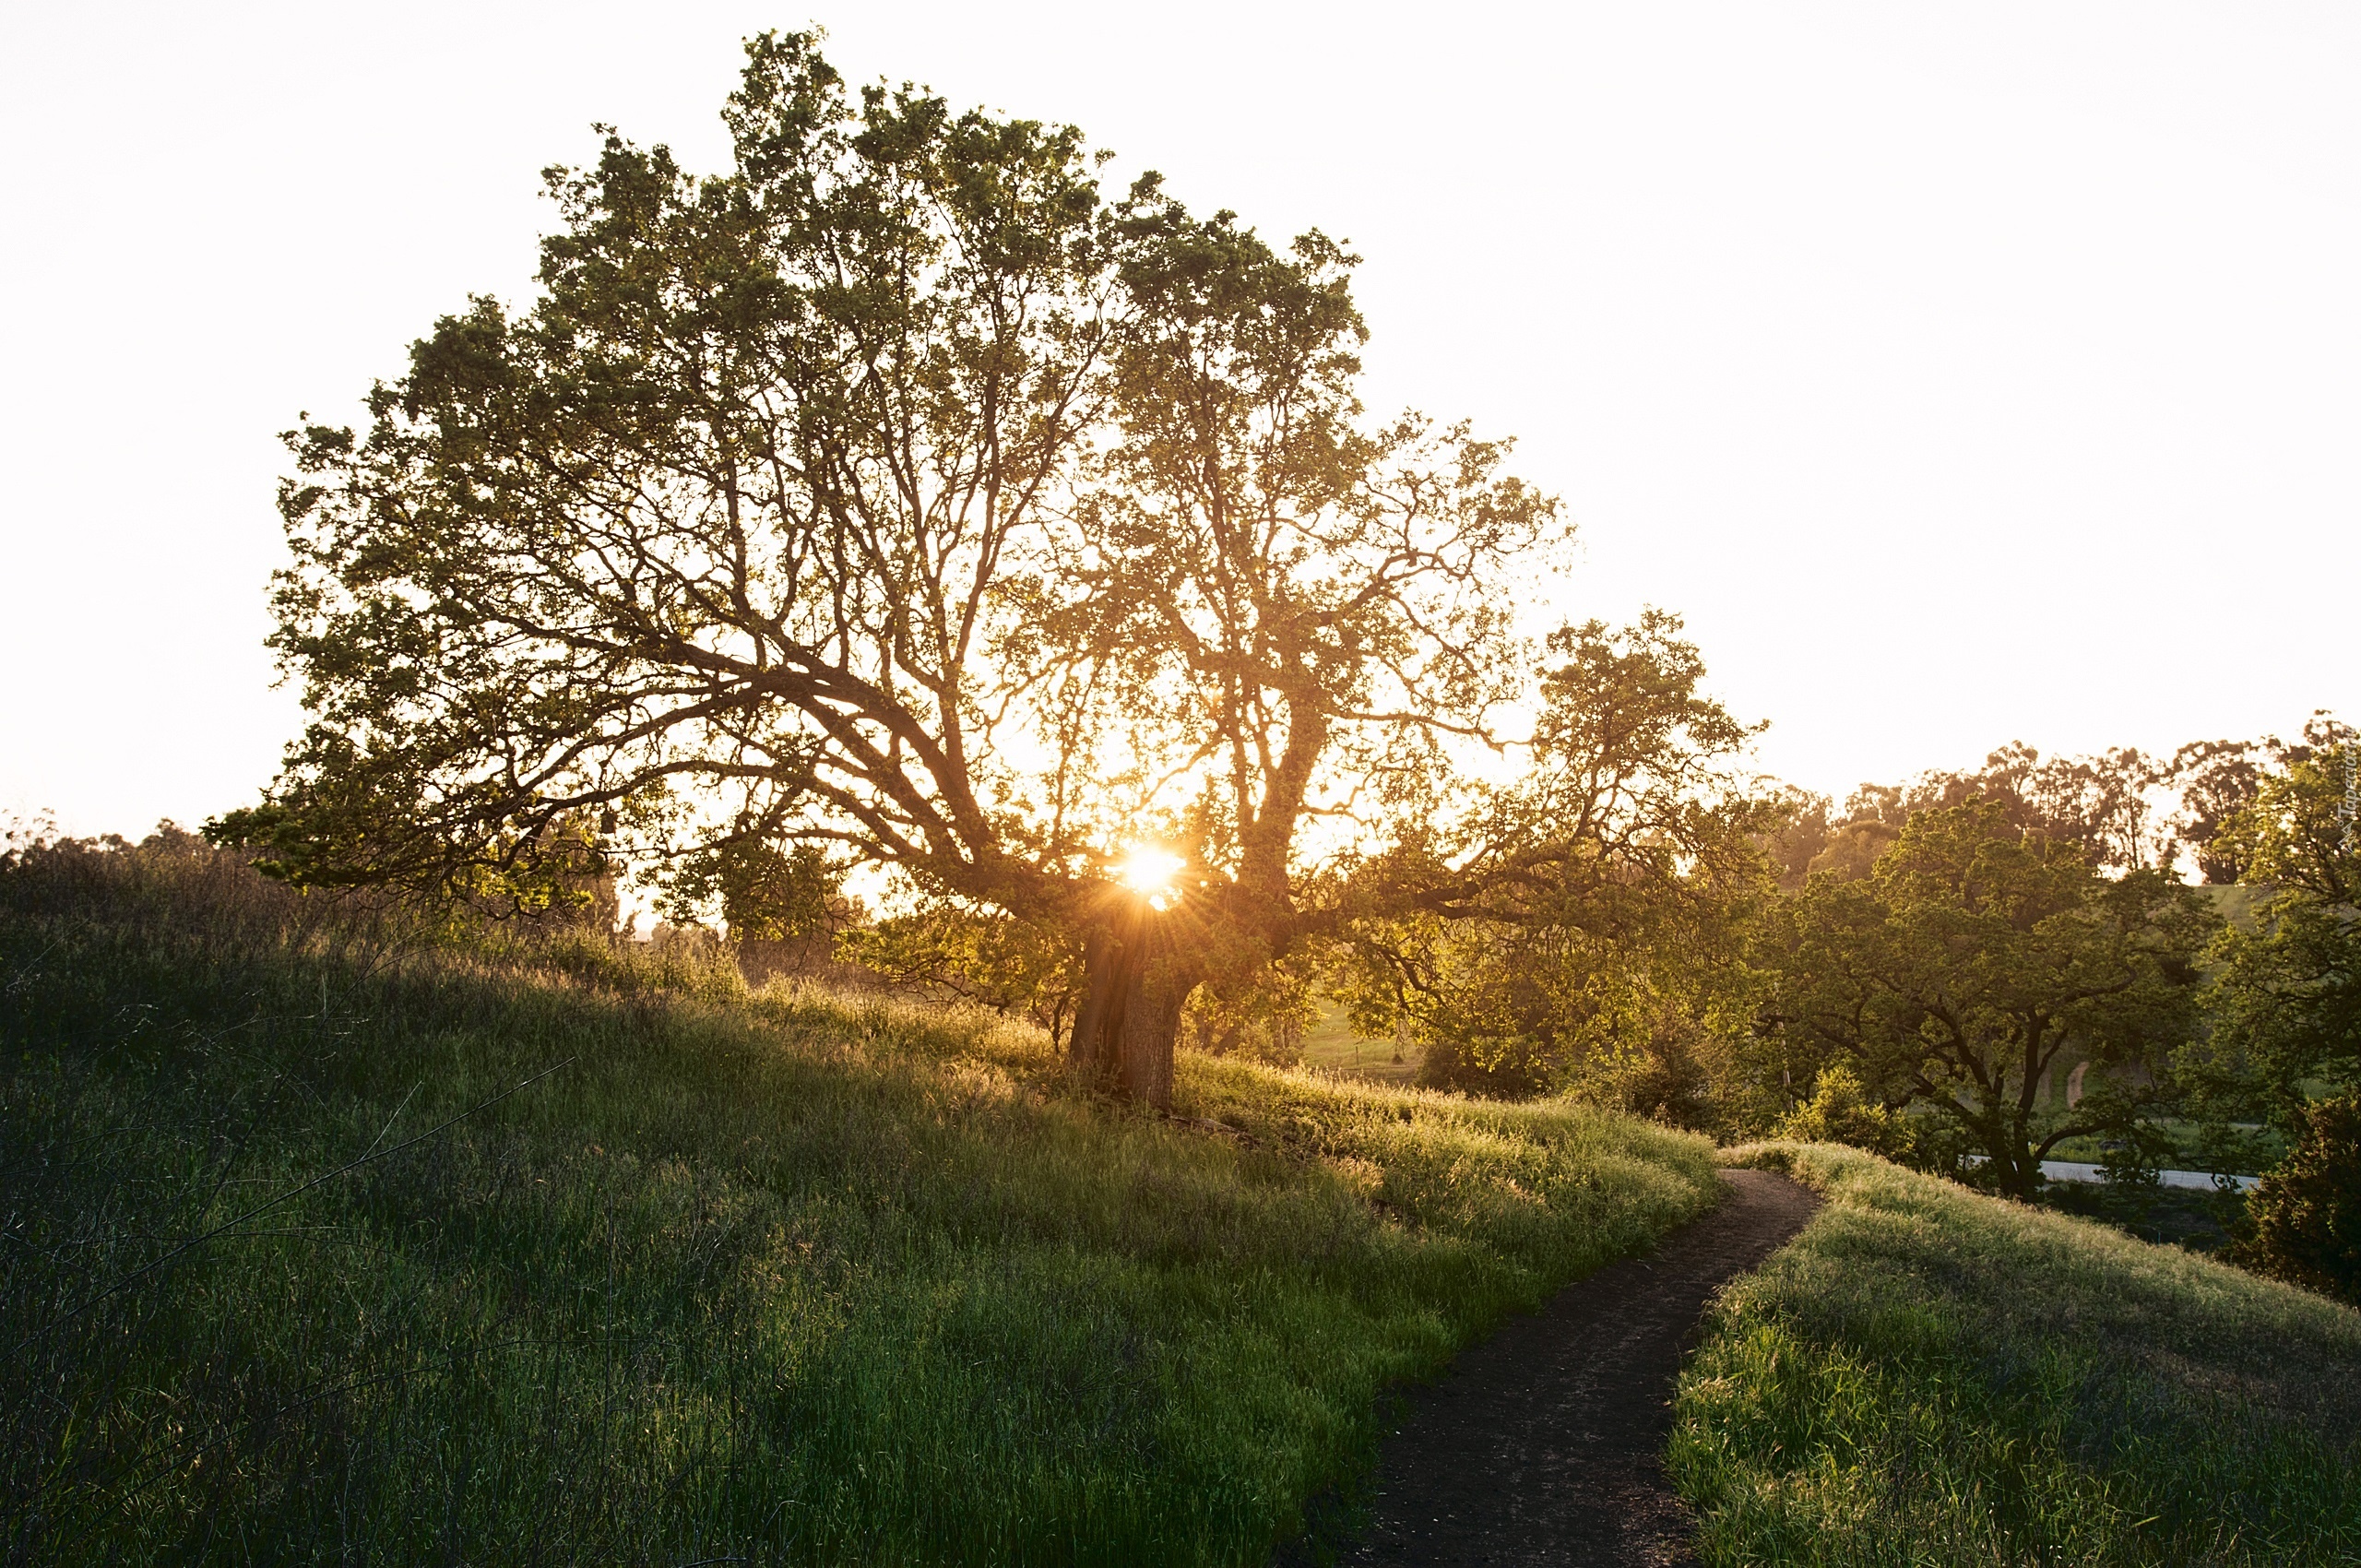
{"points": [[1541, 1445]]}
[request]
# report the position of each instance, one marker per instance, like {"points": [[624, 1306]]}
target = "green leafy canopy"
{"points": [[895, 493]]}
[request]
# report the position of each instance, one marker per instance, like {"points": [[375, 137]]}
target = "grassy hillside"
{"points": [[379, 1247], [1927, 1376]]}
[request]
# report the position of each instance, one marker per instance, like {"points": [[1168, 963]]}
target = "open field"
{"points": [[1927, 1376], [295, 1269], [1333, 1045]]}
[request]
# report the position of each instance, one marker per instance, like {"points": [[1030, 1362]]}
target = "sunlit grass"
{"points": [[1929, 1376], [773, 1279], [1333, 1045]]}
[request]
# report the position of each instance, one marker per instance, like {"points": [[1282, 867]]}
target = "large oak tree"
{"points": [[1972, 961], [895, 493]]}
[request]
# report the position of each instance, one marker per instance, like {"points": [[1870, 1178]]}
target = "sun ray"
{"points": [[1151, 869]]}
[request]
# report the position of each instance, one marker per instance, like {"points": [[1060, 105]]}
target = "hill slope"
{"points": [[331, 1242], [1926, 1375]]}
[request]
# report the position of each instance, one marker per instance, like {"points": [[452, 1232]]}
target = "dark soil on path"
{"points": [[1543, 1444]]}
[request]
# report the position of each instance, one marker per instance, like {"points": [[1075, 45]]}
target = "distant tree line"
{"points": [[1961, 942]]}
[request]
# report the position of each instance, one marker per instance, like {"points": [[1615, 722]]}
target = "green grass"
{"points": [[1333, 1045], [779, 1278], [1927, 1376]]}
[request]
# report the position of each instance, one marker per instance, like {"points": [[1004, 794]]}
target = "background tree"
{"points": [[1872, 821], [2215, 781], [1261, 1015], [1579, 927], [2110, 804], [1026, 969], [2105, 804], [890, 494], [2286, 1002], [783, 909], [1954, 978], [765, 893], [1799, 824]]}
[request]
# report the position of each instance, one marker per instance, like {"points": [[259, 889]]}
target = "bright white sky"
{"points": [[1962, 371]]}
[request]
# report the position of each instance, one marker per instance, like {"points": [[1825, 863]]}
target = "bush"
{"points": [[332, 1236], [1838, 1112], [2307, 1212]]}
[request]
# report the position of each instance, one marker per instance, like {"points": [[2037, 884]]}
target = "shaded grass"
{"points": [[2182, 1216], [768, 1279], [1927, 1376]]}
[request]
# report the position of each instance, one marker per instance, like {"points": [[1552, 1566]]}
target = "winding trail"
{"points": [[1542, 1445]]}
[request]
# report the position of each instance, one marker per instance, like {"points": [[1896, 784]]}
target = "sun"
{"points": [[1150, 869]]}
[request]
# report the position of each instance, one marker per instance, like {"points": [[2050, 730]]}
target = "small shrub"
{"points": [[1839, 1113], [2307, 1212]]}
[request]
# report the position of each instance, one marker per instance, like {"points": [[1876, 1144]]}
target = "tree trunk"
{"points": [[2015, 1171], [1131, 1012]]}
